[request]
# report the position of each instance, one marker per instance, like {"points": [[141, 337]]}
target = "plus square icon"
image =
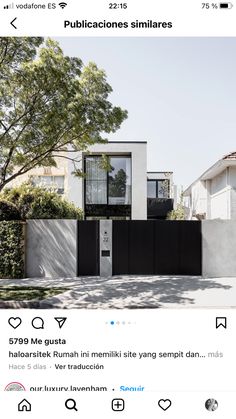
{"points": [[118, 405]]}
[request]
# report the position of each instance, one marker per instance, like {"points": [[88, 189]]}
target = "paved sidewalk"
{"points": [[137, 292]]}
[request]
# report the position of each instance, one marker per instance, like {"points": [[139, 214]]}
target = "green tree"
{"points": [[117, 184], [49, 103], [8, 211], [33, 202], [179, 212]]}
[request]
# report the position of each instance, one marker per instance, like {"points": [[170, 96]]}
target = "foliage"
{"points": [[49, 104], [28, 293], [8, 211], [178, 213], [36, 202], [118, 184], [11, 249]]}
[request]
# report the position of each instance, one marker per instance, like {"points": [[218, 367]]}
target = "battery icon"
{"points": [[226, 5]]}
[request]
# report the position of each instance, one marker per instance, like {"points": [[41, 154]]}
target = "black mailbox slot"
{"points": [[106, 253]]}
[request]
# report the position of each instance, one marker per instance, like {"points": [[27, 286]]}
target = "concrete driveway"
{"points": [[137, 292]]}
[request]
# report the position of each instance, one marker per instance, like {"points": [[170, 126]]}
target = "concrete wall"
{"points": [[219, 182], [51, 248], [220, 205], [139, 182], [220, 196], [75, 183], [232, 176], [232, 171], [105, 245], [212, 197], [219, 248], [198, 201], [233, 204]]}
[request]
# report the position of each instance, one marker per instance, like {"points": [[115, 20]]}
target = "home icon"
{"points": [[24, 406]]}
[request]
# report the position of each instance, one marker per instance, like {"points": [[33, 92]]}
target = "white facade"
{"points": [[213, 195]]}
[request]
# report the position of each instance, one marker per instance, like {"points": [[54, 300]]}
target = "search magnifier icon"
{"points": [[71, 404]]}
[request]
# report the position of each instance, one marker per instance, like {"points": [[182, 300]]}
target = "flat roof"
{"points": [[126, 142], [162, 171]]}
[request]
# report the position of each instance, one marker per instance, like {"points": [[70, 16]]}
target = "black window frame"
{"points": [[159, 180], [106, 210]]}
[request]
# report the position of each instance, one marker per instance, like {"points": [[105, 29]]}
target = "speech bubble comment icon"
{"points": [[38, 323]]}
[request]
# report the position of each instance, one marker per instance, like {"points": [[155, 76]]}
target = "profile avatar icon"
{"points": [[211, 405], [14, 386]]}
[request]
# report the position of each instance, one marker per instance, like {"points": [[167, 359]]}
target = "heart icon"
{"points": [[14, 322], [164, 404]]}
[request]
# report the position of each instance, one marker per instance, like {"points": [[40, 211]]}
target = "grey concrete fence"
{"points": [[51, 248], [218, 248]]}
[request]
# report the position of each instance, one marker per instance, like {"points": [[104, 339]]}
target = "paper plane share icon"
{"points": [[61, 321]]}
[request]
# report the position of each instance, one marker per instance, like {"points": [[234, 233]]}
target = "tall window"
{"points": [[158, 188], [111, 187], [151, 189], [96, 181], [119, 181]]}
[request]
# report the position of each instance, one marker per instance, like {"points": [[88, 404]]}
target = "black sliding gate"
{"points": [[157, 247], [151, 247], [88, 248]]}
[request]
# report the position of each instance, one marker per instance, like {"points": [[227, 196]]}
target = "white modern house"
{"points": [[213, 194], [126, 191]]}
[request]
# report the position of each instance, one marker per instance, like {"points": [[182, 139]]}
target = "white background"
{"points": [[188, 18], [188, 382]]}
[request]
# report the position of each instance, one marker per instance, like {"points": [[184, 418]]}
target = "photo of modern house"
{"points": [[213, 194], [124, 191], [92, 214]]}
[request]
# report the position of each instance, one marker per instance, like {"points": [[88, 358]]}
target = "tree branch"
{"points": [[5, 166], [5, 52], [67, 158], [4, 126]]}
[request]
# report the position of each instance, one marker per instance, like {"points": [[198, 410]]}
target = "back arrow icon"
{"points": [[12, 23]]}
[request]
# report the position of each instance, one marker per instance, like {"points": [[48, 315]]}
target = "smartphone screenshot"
{"points": [[117, 209]]}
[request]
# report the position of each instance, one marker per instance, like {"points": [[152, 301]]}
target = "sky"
{"points": [[180, 94]]}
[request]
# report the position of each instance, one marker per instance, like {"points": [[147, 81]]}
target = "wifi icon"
{"points": [[62, 5]]}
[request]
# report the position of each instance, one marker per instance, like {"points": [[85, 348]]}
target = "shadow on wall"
{"points": [[51, 248]]}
